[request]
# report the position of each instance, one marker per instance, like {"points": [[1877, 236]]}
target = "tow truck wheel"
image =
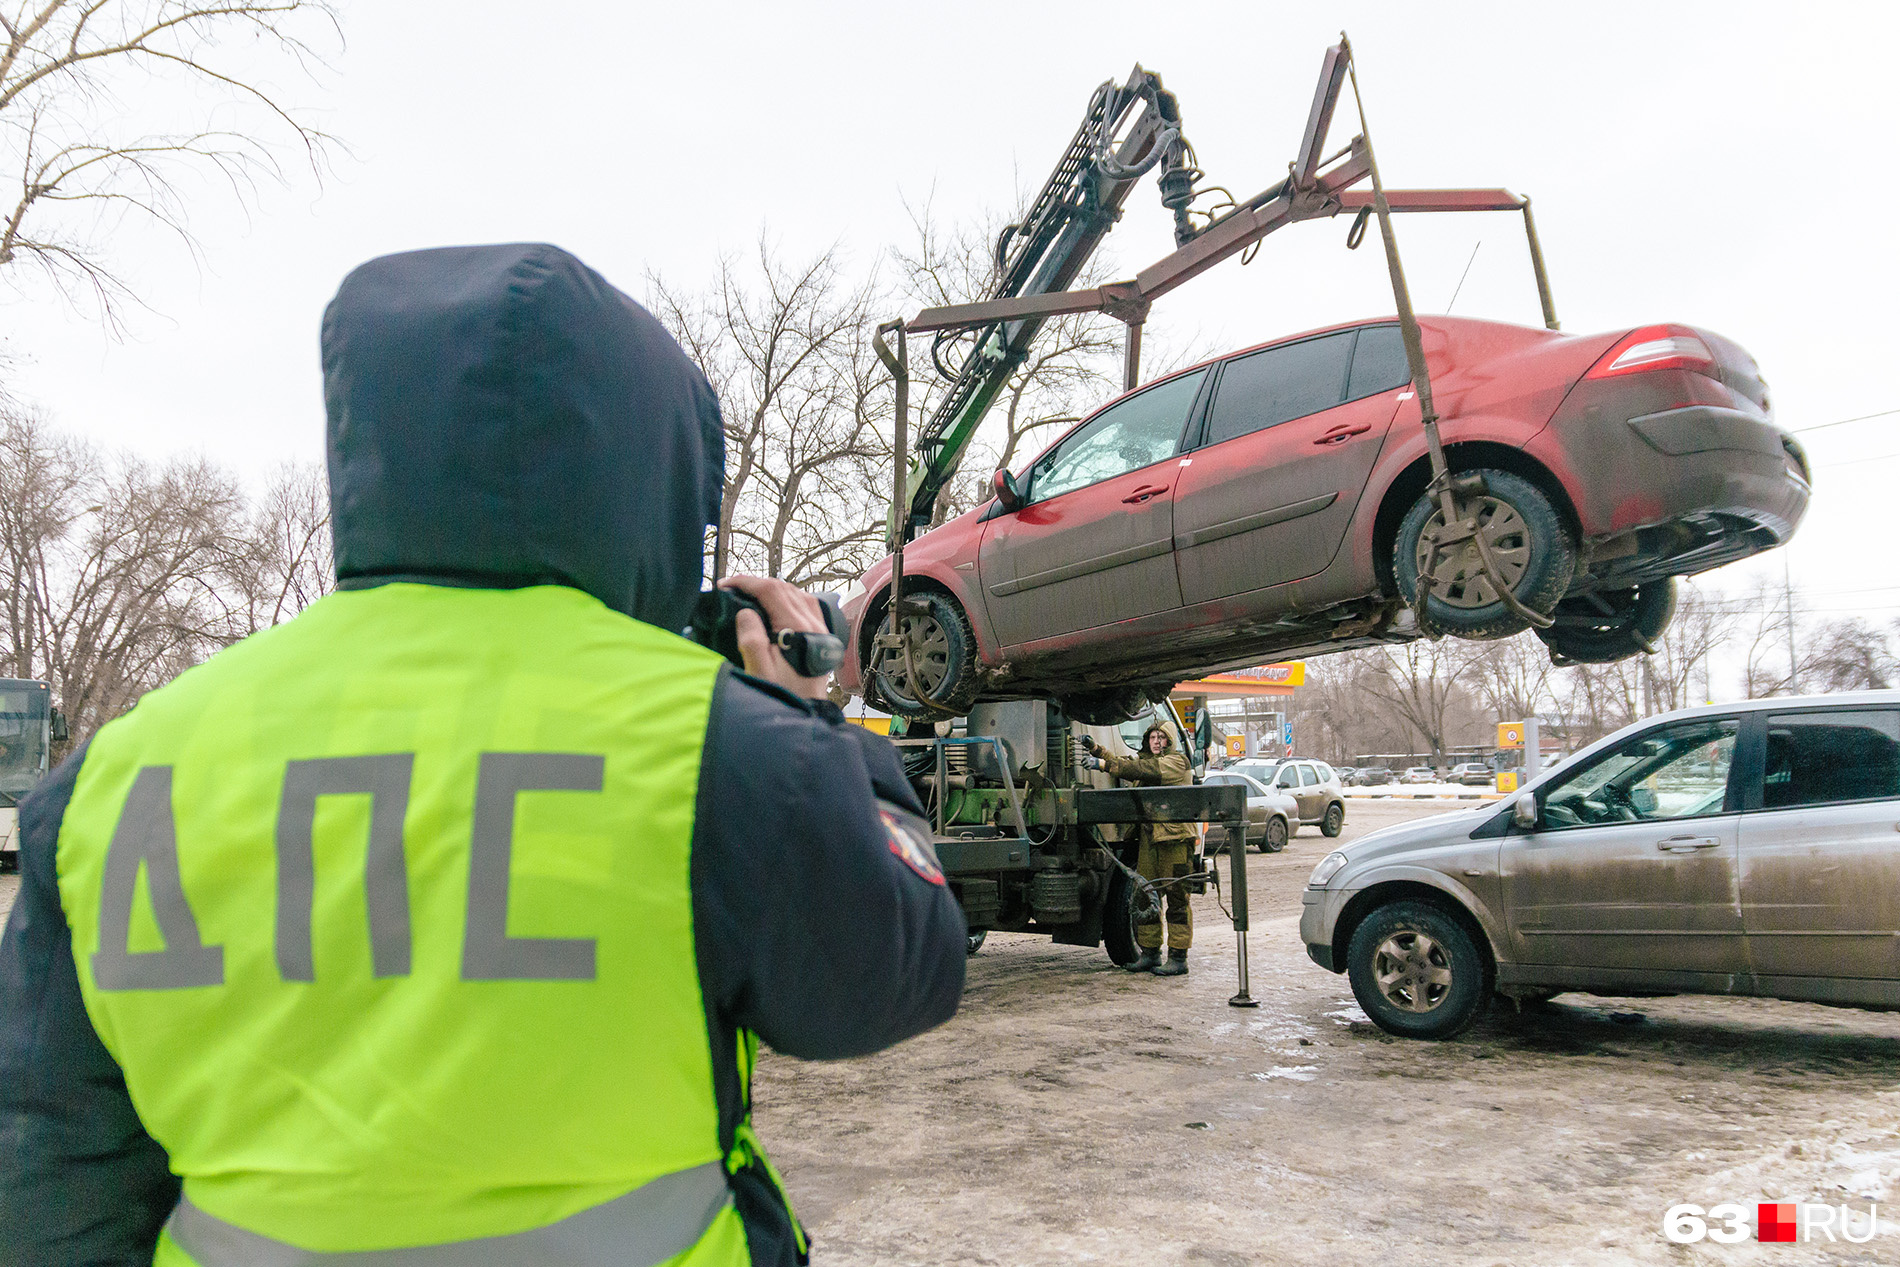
{"points": [[1603, 628], [1529, 543], [942, 654], [973, 940], [1118, 921]]}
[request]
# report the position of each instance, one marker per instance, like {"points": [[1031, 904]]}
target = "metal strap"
{"points": [[647, 1226]]}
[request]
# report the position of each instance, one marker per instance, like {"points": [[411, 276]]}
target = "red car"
{"points": [[1271, 504]]}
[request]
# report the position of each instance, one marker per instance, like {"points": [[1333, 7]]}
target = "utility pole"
{"points": [[1787, 594]]}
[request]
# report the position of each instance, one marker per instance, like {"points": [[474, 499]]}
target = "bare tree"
{"points": [[784, 346], [115, 570], [67, 136], [1848, 654], [290, 562], [1421, 683]]}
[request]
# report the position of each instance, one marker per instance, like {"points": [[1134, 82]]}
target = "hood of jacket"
{"points": [[501, 416]]}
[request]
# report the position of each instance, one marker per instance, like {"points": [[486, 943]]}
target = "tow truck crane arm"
{"points": [[1080, 203], [1044, 254]]}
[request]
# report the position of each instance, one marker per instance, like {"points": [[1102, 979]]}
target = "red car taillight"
{"points": [[1656, 348]]}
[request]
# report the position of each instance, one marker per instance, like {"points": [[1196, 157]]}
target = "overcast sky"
{"points": [[1729, 165]]}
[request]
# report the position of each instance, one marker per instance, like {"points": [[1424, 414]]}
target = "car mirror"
{"points": [[1524, 810], [1006, 491], [58, 732]]}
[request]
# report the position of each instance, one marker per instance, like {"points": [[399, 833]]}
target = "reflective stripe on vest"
{"points": [[649, 1225]]}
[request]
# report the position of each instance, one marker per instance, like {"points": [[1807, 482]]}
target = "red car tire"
{"points": [[1528, 538]]}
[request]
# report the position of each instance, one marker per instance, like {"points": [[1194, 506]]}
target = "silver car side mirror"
{"points": [[1524, 810]]}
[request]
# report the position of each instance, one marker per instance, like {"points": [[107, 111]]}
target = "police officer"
{"points": [[444, 920], [1164, 849]]}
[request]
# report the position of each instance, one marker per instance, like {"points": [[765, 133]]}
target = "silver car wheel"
{"points": [[1412, 970]]}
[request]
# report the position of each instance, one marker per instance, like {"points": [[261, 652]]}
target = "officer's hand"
{"points": [[790, 608]]}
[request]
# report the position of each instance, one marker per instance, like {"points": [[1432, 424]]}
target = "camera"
{"points": [[716, 625]]}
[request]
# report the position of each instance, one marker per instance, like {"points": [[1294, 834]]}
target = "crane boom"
{"points": [[1045, 253]]}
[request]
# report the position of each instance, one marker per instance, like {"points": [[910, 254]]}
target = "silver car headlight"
{"points": [[1328, 868]]}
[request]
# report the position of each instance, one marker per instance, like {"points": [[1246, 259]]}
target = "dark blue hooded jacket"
{"points": [[499, 416]]}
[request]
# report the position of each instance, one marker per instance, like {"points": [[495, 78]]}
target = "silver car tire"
{"points": [[1417, 972], [1273, 839], [1335, 820]]}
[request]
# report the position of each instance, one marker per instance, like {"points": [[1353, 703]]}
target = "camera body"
{"points": [[716, 625]]}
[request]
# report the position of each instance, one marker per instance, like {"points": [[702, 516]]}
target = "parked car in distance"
{"points": [[1420, 774], [1272, 504], [1271, 813], [1732, 849], [1345, 773], [1314, 785], [1473, 772], [1371, 776]]}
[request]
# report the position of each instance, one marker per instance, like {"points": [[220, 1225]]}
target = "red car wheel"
{"points": [[1529, 542]]}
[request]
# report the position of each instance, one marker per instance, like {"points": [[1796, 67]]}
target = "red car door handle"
{"points": [[1143, 493], [1344, 431]]}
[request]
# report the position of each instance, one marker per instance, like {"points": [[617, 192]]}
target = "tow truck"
{"points": [[1026, 842], [29, 726]]}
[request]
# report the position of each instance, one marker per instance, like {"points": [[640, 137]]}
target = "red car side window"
{"points": [[1280, 384], [1134, 433]]}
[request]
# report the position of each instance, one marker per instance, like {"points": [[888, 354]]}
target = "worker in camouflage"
{"points": [[1166, 848]]}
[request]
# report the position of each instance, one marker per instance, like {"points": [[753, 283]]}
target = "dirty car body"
{"points": [[1246, 509], [1742, 849]]}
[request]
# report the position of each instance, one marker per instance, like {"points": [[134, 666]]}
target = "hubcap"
{"points": [[1456, 568], [929, 650], [1412, 970]]}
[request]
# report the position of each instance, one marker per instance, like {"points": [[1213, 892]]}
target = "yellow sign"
{"points": [[1507, 780], [1510, 734], [1236, 745]]}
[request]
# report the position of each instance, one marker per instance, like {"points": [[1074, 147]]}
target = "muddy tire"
{"points": [[1273, 840], [1106, 708], [945, 663], [1417, 972], [1529, 541], [1335, 820], [1118, 921], [973, 940], [1604, 628]]}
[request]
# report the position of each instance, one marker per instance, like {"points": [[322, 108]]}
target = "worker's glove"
{"points": [[1088, 741], [1091, 762]]}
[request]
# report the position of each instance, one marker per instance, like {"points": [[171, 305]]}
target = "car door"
{"points": [[1093, 543], [1820, 846], [1289, 442], [1287, 780], [1632, 865], [1312, 794]]}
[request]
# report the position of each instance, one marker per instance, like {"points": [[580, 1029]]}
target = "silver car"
{"points": [[1741, 849], [1271, 813]]}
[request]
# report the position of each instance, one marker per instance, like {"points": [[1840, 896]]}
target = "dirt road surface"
{"points": [[1073, 1113]]}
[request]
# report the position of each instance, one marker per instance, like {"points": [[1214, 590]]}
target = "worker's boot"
{"points": [[1150, 956], [1176, 966]]}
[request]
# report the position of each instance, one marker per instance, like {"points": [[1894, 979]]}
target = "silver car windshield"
{"points": [[1676, 772]]}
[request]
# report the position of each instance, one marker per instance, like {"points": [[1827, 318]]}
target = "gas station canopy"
{"points": [[1262, 679]]}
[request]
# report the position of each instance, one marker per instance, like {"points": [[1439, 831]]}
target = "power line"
{"points": [[1823, 426]]}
